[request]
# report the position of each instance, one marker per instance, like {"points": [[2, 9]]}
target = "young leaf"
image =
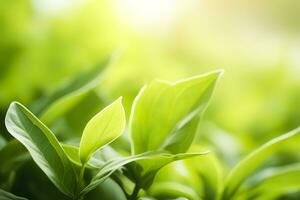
{"points": [[43, 147], [253, 161], [165, 115], [102, 129], [9, 196]]}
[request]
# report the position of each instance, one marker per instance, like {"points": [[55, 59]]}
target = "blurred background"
{"points": [[43, 44]]}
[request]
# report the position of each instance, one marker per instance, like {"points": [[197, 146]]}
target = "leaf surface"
{"points": [[277, 181], [102, 129], [255, 160], [43, 147], [165, 115]]}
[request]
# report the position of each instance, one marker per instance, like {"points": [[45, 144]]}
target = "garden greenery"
{"points": [[163, 123]]}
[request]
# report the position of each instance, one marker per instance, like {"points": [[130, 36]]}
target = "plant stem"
{"points": [[135, 192], [81, 174], [80, 182]]}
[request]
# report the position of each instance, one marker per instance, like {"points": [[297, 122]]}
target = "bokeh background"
{"points": [[43, 44]]}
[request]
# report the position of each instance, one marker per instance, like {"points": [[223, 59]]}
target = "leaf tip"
{"points": [[217, 73]]}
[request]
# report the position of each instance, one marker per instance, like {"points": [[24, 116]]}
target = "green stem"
{"points": [[135, 192], [81, 174], [80, 183]]}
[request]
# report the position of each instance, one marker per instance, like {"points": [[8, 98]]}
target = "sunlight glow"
{"points": [[149, 14]]}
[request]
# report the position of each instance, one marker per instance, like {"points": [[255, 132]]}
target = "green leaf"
{"points": [[73, 154], [277, 181], [14, 154], [102, 129], [144, 170], [43, 147], [172, 189], [9, 196], [256, 159], [165, 115], [152, 198], [147, 198], [107, 190], [111, 166], [209, 170], [69, 95]]}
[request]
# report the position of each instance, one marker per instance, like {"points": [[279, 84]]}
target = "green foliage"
{"points": [[102, 129], [8, 196], [256, 159], [165, 117], [43, 146], [54, 58], [62, 100], [171, 112], [164, 163], [275, 181]]}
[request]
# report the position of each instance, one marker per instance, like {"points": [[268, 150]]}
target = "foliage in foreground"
{"points": [[112, 159]]}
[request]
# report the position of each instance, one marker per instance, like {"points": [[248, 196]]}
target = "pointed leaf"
{"points": [[165, 115], [43, 146], [102, 129], [256, 159], [277, 181]]}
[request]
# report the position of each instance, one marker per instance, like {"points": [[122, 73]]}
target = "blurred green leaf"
{"points": [[9, 196], [147, 198], [152, 198], [209, 170], [14, 153], [43, 146], [69, 95], [256, 159], [275, 181], [165, 115], [168, 190], [107, 190], [102, 129]]}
